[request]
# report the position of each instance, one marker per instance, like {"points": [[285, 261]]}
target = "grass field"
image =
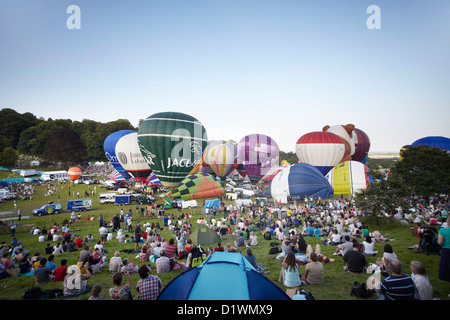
{"points": [[337, 286]]}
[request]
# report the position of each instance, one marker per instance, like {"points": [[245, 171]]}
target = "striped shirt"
{"points": [[398, 287], [171, 250]]}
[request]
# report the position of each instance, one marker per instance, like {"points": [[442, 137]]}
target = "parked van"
{"points": [[188, 204], [107, 197], [79, 205]]}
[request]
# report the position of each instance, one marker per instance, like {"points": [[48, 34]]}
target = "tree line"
{"points": [[62, 140]]}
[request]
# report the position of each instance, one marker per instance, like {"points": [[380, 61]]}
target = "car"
{"points": [[145, 200], [48, 208]]}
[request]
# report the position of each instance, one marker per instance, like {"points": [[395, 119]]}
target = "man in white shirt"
{"points": [[103, 233], [162, 263], [115, 263]]}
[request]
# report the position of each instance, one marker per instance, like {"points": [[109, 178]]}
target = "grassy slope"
{"points": [[337, 285]]}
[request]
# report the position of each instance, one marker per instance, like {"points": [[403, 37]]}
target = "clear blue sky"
{"points": [[279, 67]]}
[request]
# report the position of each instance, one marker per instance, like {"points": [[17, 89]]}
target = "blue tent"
{"points": [[299, 181], [223, 276], [211, 203]]}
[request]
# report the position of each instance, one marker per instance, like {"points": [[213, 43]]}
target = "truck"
{"points": [[107, 197], [79, 205], [28, 173], [6, 195], [55, 175], [123, 199], [52, 208]]}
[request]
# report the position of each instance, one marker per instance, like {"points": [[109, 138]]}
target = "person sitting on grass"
{"points": [[355, 261]]}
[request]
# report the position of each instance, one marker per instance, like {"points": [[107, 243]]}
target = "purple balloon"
{"points": [[362, 145], [257, 153]]}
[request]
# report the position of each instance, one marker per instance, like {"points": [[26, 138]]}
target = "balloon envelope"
{"points": [[434, 142], [109, 146], [222, 159], [362, 145], [299, 181], [321, 149], [257, 153], [349, 177], [74, 173], [197, 186], [172, 144], [130, 157], [207, 156]]}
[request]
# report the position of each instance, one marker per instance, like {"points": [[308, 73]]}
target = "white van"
{"points": [[107, 197], [189, 204]]}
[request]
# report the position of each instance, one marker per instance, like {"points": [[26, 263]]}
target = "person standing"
{"points": [[12, 228], [444, 242], [137, 236], [100, 220]]}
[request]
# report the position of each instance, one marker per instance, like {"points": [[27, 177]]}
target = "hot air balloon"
{"points": [[299, 181], [434, 142], [206, 156], [362, 145], [109, 146], [222, 159], [74, 173], [241, 170], [321, 149], [172, 143], [349, 177], [197, 186], [346, 133], [402, 150], [131, 159], [258, 153]]}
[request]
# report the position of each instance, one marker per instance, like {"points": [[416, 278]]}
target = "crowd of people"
{"points": [[338, 224], [335, 222]]}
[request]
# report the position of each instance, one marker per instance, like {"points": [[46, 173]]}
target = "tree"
{"points": [[8, 157], [12, 124], [290, 157], [64, 146], [423, 172]]}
